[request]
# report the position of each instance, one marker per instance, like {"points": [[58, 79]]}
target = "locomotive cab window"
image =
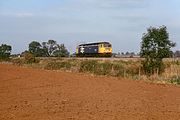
{"points": [[107, 45]]}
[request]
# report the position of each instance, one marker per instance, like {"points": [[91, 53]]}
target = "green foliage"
{"points": [[36, 49], [5, 51], [48, 49], [92, 66], [117, 69], [88, 66], [177, 53], [104, 68], [30, 58], [17, 61], [155, 46], [175, 80], [51, 46], [61, 51], [177, 62]]}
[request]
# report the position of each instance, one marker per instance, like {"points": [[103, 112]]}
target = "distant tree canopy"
{"points": [[61, 51], [155, 46], [177, 53], [36, 49], [5, 51], [48, 49]]}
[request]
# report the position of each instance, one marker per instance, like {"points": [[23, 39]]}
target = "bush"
{"points": [[151, 67], [108, 68], [29, 58], [88, 66], [103, 68], [175, 80], [177, 62], [118, 70], [17, 61], [133, 69]]}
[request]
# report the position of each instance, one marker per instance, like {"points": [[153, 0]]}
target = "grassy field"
{"points": [[117, 67]]}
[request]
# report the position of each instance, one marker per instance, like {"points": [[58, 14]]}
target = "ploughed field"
{"points": [[33, 94]]}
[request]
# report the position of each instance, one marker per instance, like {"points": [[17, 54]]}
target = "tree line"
{"points": [[155, 46], [47, 49]]}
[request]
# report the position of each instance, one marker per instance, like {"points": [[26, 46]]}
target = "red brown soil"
{"points": [[32, 94]]}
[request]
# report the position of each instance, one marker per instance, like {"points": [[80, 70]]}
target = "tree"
{"points": [[5, 51], [61, 51], [50, 47], [177, 53], [36, 49], [127, 53], [155, 46], [47, 49]]}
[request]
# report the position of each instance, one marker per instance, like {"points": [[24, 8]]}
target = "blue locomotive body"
{"points": [[99, 49]]}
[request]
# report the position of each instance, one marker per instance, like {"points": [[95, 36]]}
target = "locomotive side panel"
{"points": [[88, 50]]}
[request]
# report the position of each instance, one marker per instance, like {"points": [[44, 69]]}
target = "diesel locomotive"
{"points": [[98, 49]]}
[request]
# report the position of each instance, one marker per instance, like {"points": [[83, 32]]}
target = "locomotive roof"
{"points": [[94, 43]]}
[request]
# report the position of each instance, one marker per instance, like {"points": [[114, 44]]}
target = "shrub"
{"points": [[88, 66], [118, 70], [175, 80], [132, 69], [177, 62], [103, 68], [17, 61], [29, 58]]}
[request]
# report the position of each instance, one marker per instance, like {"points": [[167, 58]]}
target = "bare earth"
{"points": [[31, 94]]}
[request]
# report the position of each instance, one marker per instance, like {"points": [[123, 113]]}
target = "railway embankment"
{"points": [[124, 68]]}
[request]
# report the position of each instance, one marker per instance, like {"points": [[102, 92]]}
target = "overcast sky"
{"points": [[121, 22]]}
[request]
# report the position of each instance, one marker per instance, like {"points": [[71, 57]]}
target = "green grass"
{"points": [[175, 80], [124, 69]]}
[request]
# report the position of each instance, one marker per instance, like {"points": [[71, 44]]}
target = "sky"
{"points": [[72, 22]]}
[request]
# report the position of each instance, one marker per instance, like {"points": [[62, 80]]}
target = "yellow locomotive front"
{"points": [[105, 49]]}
